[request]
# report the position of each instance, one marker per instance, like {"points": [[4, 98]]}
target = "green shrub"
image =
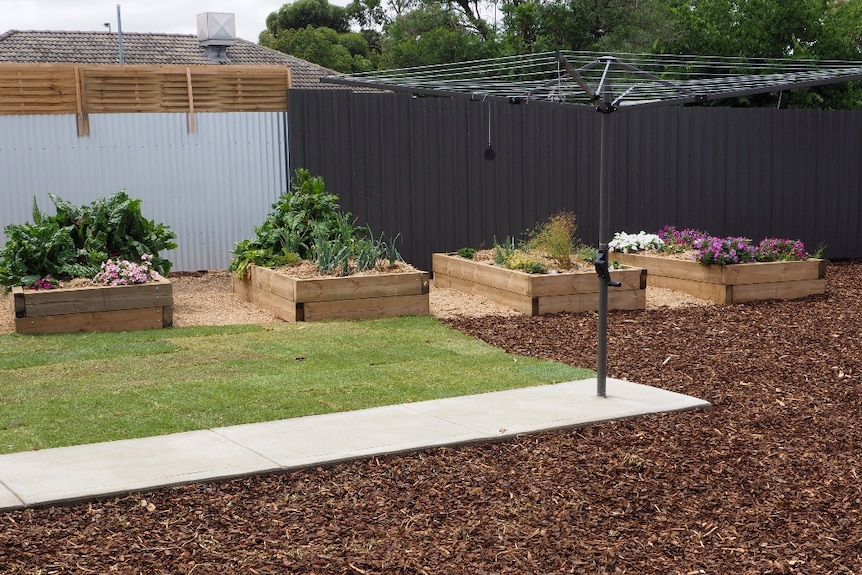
{"points": [[74, 242], [519, 260], [503, 251], [467, 253], [587, 253]]}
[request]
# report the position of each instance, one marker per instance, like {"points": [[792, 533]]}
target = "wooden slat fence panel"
{"points": [[37, 89], [53, 88]]}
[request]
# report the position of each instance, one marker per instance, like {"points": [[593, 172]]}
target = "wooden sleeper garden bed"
{"points": [[94, 308], [736, 283], [349, 297], [537, 294]]}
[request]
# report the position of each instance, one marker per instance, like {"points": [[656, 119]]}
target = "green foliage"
{"points": [[587, 253], [536, 26], [769, 29], [404, 33], [431, 34], [467, 253], [341, 51], [502, 252], [751, 29], [303, 13], [306, 223], [319, 32], [556, 239], [389, 248], [286, 235], [519, 260], [75, 241], [509, 256]]}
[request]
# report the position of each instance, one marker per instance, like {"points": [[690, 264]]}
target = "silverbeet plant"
{"points": [[307, 224], [75, 241]]}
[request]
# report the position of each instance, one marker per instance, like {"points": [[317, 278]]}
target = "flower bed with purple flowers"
{"points": [[722, 269]]}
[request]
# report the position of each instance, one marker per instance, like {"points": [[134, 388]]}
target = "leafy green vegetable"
{"points": [[306, 223], [75, 241]]}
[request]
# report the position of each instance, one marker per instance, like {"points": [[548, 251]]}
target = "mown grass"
{"points": [[58, 390]]}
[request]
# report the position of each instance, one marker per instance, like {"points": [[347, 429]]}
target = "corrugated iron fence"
{"points": [[415, 166]]}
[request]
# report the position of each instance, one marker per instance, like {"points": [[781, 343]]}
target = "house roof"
{"points": [[37, 46]]}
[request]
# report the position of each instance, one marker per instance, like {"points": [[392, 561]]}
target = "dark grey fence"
{"points": [[415, 166]]}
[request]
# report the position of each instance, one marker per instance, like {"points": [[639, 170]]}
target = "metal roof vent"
{"points": [[216, 33]]}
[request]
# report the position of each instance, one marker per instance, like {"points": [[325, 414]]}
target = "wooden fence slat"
{"points": [[191, 100]]}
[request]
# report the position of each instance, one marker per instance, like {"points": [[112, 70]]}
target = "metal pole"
{"points": [[120, 35], [604, 223]]}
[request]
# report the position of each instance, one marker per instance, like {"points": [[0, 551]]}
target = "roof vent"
{"points": [[216, 32]]}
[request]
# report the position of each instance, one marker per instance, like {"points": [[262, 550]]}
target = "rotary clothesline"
{"points": [[610, 83], [567, 77]]}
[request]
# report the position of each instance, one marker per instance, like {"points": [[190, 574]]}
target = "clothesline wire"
{"points": [[632, 78]]}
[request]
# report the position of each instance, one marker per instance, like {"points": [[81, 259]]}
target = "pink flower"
{"points": [[124, 272]]}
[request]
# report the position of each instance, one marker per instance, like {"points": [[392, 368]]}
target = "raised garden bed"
{"points": [[537, 294], [94, 308], [321, 298], [735, 283]]}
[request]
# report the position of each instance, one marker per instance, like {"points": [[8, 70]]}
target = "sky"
{"points": [[162, 16]]}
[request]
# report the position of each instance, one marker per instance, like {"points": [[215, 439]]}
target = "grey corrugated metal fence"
{"points": [[211, 186], [415, 166]]}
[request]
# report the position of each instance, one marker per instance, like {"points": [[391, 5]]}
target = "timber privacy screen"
{"points": [[82, 89]]}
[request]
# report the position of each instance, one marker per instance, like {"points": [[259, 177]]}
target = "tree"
{"points": [[841, 36], [341, 52], [319, 32], [431, 34], [771, 29], [304, 13], [742, 28], [611, 25]]}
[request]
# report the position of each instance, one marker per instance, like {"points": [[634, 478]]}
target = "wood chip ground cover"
{"points": [[768, 481]]}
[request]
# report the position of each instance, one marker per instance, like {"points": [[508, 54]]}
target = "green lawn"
{"points": [[58, 390]]}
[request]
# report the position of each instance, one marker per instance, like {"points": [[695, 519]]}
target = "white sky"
{"points": [[159, 16]]}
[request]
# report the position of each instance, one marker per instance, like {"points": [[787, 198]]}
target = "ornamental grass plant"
{"points": [[552, 246]]}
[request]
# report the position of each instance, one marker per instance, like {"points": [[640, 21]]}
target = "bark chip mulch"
{"points": [[768, 481]]}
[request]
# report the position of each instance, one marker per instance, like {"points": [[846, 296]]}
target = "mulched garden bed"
{"points": [[768, 481]]}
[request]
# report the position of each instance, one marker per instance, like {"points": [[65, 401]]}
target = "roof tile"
{"points": [[138, 48]]}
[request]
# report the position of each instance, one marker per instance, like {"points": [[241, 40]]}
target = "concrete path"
{"points": [[68, 474]]}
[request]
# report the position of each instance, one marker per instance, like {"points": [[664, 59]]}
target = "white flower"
{"points": [[626, 243]]}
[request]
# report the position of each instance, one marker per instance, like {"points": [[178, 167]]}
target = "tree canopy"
{"points": [[375, 34]]}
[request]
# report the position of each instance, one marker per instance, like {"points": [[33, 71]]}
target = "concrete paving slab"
{"points": [[548, 407], [72, 473], [9, 500], [339, 436], [87, 471]]}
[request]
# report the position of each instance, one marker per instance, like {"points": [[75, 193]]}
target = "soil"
{"points": [[767, 481]]}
